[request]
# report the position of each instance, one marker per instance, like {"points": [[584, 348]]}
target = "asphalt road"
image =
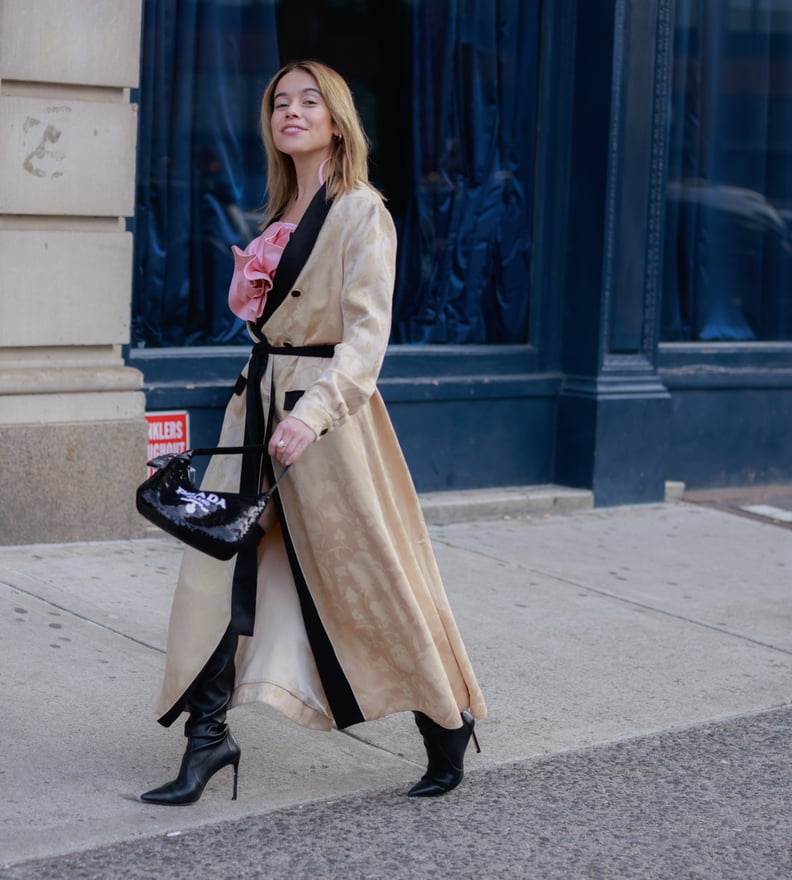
{"points": [[710, 802]]}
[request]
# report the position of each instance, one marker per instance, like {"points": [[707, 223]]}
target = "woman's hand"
{"points": [[289, 440]]}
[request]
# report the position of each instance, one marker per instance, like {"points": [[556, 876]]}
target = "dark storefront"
{"points": [[594, 204]]}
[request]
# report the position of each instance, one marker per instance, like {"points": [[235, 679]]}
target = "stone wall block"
{"points": [[72, 482], [74, 406], [67, 157], [90, 42], [64, 288]]}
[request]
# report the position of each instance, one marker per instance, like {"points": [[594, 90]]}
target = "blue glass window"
{"points": [[728, 266], [447, 90]]}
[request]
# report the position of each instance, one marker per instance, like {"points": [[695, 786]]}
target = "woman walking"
{"points": [[334, 613]]}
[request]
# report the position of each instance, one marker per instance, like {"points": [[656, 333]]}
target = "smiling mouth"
{"points": [[291, 129]]}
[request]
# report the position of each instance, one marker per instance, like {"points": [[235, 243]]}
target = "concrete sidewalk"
{"points": [[587, 629]]}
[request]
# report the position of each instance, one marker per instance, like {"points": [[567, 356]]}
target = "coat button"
{"points": [[296, 293]]}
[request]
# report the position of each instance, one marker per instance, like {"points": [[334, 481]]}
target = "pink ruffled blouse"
{"points": [[254, 267], [254, 270]]}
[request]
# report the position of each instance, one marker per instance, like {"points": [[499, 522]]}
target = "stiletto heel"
{"points": [[475, 741], [236, 776], [210, 744], [446, 751], [200, 763]]}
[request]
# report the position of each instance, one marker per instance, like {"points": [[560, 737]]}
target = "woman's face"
{"points": [[301, 123]]}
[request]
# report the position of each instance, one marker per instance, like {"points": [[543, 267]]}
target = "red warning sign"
{"points": [[167, 432]]}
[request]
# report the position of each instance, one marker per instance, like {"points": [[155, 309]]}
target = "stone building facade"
{"points": [[72, 426]]}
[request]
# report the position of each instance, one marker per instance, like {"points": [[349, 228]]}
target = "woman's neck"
{"points": [[308, 183]]}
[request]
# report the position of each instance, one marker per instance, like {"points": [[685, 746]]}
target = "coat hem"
{"points": [[284, 701]]}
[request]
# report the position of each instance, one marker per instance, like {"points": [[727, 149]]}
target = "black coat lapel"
{"points": [[296, 253]]}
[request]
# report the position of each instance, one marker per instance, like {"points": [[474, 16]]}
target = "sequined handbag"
{"points": [[216, 523]]}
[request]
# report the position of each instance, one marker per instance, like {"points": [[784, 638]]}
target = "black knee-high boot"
{"points": [[210, 744], [446, 752]]}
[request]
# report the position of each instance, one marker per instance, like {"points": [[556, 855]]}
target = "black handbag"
{"points": [[216, 523]]}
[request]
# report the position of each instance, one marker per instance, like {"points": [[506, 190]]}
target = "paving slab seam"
{"points": [[378, 747], [117, 632], [615, 596], [64, 610], [161, 537], [634, 602]]}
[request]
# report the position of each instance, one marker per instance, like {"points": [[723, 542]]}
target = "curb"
{"points": [[444, 508]]}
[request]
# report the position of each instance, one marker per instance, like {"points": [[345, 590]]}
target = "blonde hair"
{"points": [[348, 164]]}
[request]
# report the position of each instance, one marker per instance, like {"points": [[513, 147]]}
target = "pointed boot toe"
{"points": [[445, 750], [200, 763], [429, 786]]}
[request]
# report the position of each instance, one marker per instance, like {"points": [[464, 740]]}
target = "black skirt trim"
{"points": [[340, 696]]}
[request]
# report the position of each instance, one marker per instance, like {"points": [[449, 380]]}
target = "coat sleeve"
{"points": [[368, 254]]}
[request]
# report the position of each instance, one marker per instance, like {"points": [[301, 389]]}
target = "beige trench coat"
{"points": [[350, 508]]}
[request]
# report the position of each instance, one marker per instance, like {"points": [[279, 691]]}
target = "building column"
{"points": [[72, 428], [614, 411]]}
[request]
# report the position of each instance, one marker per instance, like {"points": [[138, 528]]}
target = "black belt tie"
{"points": [[258, 430]]}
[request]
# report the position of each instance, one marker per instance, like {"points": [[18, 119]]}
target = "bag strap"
{"points": [[240, 450], [229, 450]]}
